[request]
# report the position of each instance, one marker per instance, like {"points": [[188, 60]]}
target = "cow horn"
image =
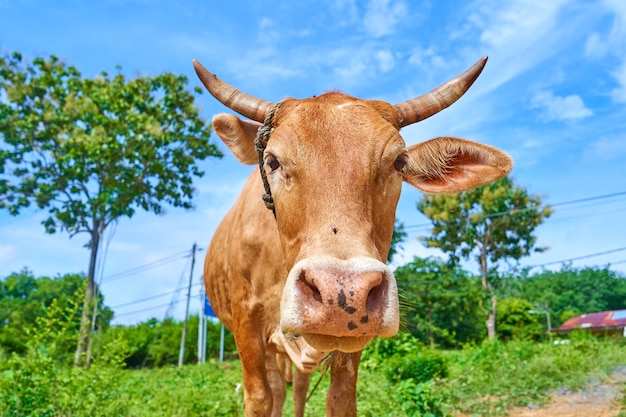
{"points": [[244, 104], [424, 106]]}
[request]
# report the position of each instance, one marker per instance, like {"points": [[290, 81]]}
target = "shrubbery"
{"points": [[38, 383], [421, 366], [410, 369]]}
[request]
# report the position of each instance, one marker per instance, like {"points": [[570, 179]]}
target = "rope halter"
{"points": [[260, 143]]}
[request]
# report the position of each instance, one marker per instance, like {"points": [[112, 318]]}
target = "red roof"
{"points": [[605, 320]]}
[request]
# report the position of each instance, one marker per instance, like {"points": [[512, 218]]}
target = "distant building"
{"points": [[606, 321]]}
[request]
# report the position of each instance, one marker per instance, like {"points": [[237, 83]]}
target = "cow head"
{"points": [[335, 165]]}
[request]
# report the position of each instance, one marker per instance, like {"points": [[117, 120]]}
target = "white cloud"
{"points": [[607, 148], [427, 58], [385, 60], [554, 107], [7, 252], [521, 19], [598, 46], [532, 144], [595, 46], [381, 17], [618, 94], [346, 11], [265, 23], [519, 34]]}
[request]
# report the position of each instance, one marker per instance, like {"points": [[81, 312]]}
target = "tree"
{"points": [[516, 320], [25, 298], [573, 291], [441, 302], [153, 343], [492, 223], [399, 235], [93, 150]]}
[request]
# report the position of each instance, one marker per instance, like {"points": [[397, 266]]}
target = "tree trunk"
{"points": [[431, 336], [84, 333], [491, 318]]}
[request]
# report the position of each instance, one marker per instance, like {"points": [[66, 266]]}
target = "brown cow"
{"points": [[311, 279]]}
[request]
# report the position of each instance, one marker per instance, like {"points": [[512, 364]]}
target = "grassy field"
{"points": [[482, 380]]}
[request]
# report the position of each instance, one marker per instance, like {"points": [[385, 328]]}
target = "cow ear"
{"points": [[450, 165], [238, 135]]}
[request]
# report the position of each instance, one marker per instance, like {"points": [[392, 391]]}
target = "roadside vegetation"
{"points": [[133, 374]]}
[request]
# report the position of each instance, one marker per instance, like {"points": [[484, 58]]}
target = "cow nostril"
{"points": [[309, 289], [375, 298], [315, 293]]}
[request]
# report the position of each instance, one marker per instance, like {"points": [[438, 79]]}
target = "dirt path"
{"points": [[598, 399]]}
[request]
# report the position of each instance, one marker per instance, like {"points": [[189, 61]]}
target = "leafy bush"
{"points": [[420, 366], [409, 369], [157, 343], [24, 298], [514, 320], [38, 384], [419, 399], [379, 350]]}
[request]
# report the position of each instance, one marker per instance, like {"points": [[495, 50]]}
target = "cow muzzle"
{"points": [[339, 303]]}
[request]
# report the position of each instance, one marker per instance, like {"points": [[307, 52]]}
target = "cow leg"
{"points": [[257, 394], [301, 383], [277, 383], [341, 398]]}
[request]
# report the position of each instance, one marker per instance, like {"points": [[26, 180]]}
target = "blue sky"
{"points": [[553, 95]]}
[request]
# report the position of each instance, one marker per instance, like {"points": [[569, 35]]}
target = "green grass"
{"points": [[482, 380], [487, 380]]}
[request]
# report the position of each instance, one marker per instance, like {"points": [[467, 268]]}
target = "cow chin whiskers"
{"points": [[332, 343]]}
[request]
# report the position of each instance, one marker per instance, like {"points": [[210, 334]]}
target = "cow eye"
{"points": [[399, 163], [273, 163]]}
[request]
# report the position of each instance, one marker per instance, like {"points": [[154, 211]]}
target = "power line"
{"points": [[148, 309], [152, 297], [582, 200], [563, 203], [148, 266], [179, 287], [580, 257]]}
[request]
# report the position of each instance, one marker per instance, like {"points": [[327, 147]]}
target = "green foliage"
{"points": [[490, 378], [38, 384], [491, 223], [399, 236], [409, 370], [379, 350], [419, 399], [94, 150], [419, 366], [482, 380], [573, 291], [441, 303], [153, 343], [498, 219], [24, 299], [515, 320]]}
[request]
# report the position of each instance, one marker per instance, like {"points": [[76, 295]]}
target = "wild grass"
{"points": [[488, 379], [480, 380]]}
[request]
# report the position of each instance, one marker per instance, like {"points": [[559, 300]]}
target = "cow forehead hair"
{"points": [[330, 106]]}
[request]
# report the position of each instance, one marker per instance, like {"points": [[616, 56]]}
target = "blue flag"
{"points": [[208, 310]]}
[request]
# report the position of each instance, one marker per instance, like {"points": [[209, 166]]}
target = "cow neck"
{"points": [[260, 143]]}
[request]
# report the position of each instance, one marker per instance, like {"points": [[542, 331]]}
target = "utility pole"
{"points": [[202, 323], [181, 352], [548, 320]]}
